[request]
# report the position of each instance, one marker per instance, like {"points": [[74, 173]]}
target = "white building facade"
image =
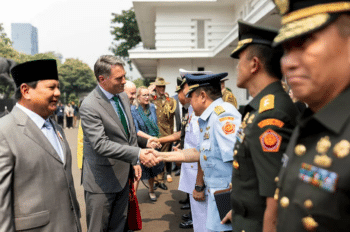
{"points": [[195, 35]]}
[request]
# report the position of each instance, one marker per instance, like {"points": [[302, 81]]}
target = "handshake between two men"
{"points": [[151, 157]]}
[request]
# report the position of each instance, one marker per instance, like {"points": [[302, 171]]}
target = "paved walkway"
{"points": [[164, 215]]}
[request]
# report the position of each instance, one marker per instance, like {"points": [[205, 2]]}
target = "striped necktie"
{"points": [[121, 115]]}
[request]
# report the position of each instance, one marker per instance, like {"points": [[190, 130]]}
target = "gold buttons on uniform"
{"points": [[323, 161], [309, 223], [308, 204], [277, 179], [205, 157], [235, 152], [300, 150], [284, 202], [277, 193], [235, 164], [323, 145], [341, 149], [201, 130], [191, 166]]}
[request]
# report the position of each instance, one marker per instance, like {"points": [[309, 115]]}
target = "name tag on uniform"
{"points": [[318, 177]]}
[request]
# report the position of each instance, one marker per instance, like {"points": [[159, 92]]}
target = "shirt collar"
{"points": [[37, 119], [332, 116], [270, 89], [207, 112], [106, 93]]}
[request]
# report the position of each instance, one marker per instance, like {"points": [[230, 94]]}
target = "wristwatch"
{"points": [[199, 188]]}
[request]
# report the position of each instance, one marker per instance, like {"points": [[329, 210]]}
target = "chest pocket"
{"points": [[206, 155]]}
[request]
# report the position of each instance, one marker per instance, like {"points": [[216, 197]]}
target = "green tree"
{"points": [[126, 33], [3, 36], [141, 82], [75, 77]]}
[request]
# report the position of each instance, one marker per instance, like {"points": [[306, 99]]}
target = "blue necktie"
{"points": [[51, 136]]}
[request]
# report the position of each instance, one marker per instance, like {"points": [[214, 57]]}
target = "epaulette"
{"points": [[219, 110], [267, 103]]}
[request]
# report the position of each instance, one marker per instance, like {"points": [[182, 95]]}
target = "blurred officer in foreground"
{"points": [[36, 184], [269, 120], [130, 90], [218, 123], [314, 183], [227, 95]]}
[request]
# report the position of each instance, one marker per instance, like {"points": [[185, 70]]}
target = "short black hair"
{"points": [[18, 93], [270, 58], [213, 91]]}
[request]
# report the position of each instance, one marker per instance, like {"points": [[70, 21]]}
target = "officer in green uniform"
{"points": [[268, 122], [227, 95], [314, 183]]}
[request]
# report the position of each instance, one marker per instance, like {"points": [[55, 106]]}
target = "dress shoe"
{"points": [[186, 216], [161, 185], [186, 225], [184, 201], [178, 172], [186, 206]]}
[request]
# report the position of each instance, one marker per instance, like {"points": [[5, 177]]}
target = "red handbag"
{"points": [[134, 215]]}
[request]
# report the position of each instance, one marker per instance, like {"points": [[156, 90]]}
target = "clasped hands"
{"points": [[153, 143], [148, 157]]}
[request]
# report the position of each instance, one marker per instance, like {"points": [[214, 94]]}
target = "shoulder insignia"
{"points": [[271, 122], [226, 118], [229, 128], [267, 103], [219, 110], [270, 141]]}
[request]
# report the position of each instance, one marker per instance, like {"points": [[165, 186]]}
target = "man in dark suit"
{"points": [[110, 148], [36, 184]]}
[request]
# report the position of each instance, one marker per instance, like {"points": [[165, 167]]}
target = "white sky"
{"points": [[75, 28]]}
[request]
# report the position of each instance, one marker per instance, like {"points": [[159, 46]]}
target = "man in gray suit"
{"points": [[110, 148], [36, 184]]}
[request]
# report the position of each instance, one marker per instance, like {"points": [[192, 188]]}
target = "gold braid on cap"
{"points": [[242, 43], [193, 87], [313, 10]]}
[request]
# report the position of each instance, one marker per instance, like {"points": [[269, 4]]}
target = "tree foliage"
{"points": [[126, 33], [141, 82], [75, 77], [3, 36]]}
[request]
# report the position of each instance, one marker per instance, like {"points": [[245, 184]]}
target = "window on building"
{"points": [[200, 34]]}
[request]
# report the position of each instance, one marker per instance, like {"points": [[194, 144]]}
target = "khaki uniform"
{"points": [[228, 96]]}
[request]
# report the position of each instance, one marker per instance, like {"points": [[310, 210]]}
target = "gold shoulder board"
{"points": [[219, 110]]}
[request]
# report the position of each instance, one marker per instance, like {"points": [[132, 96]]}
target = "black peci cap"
{"points": [[36, 70]]}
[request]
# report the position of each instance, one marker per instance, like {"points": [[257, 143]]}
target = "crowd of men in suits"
{"points": [[284, 170]]}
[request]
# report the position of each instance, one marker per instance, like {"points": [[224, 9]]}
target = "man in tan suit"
{"points": [[36, 184]]}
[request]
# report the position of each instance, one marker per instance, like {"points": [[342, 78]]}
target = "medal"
{"points": [[341, 149]]}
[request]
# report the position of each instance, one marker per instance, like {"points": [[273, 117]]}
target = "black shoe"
{"points": [[187, 216], [186, 206], [186, 225], [162, 186], [184, 201], [178, 172]]}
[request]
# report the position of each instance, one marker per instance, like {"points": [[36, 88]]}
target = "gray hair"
{"points": [[104, 65], [138, 93], [129, 84]]}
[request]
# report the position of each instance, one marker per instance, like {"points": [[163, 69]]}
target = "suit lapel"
{"points": [[105, 103], [31, 130]]}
